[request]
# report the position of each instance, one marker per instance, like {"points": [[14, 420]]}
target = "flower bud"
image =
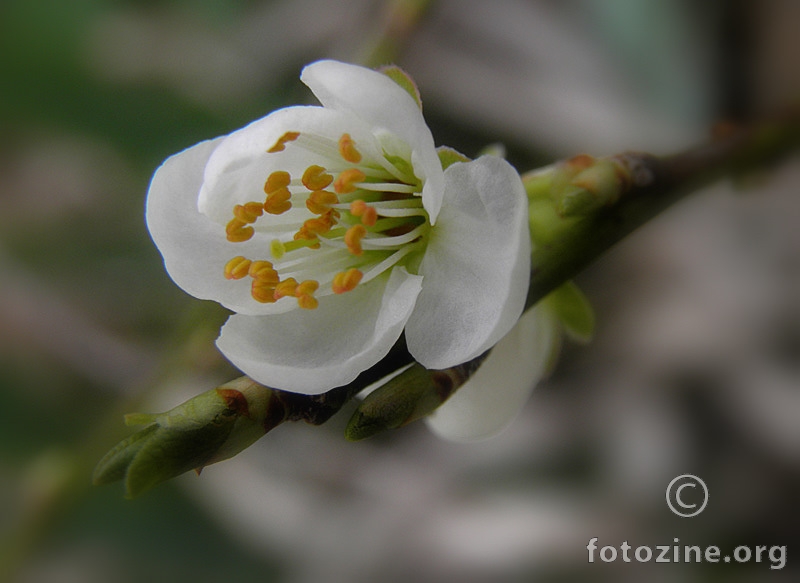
{"points": [[206, 429], [411, 395]]}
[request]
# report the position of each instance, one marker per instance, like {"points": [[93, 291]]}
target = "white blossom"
{"points": [[329, 230]]}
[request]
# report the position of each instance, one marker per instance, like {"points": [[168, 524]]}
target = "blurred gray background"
{"points": [[695, 367]]}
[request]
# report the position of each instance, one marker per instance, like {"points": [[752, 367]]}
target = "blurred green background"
{"points": [[695, 368]]}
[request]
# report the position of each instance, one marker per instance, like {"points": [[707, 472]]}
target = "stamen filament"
{"points": [[387, 224], [388, 187], [345, 261], [399, 212], [310, 259], [298, 244], [383, 242], [396, 172], [399, 203], [376, 270]]}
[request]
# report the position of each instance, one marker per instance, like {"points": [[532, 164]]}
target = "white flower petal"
{"points": [[238, 168], [382, 104], [476, 266], [194, 247], [492, 398], [316, 350]]}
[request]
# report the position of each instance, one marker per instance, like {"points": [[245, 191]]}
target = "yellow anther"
{"points": [[237, 231], [262, 291], [285, 288], [347, 149], [264, 272], [320, 200], [368, 214], [307, 302], [277, 249], [346, 182], [276, 180], [370, 217], [248, 212], [304, 294], [237, 268], [346, 281], [307, 287], [316, 178], [352, 238], [319, 225], [278, 201], [304, 234], [282, 141]]}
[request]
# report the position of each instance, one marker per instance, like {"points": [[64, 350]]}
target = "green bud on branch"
{"points": [[413, 394], [206, 429]]}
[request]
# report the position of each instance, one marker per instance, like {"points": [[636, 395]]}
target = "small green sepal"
{"points": [[448, 156], [404, 80]]}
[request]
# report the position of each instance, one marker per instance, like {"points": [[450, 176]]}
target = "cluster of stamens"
{"points": [[341, 224]]}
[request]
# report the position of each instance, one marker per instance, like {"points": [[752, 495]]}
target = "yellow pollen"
{"points": [[276, 180], [307, 287], [347, 179], [278, 201], [346, 281], [316, 178], [307, 302], [347, 149], [264, 272], [280, 145], [262, 291], [352, 238], [319, 200], [237, 268], [368, 214], [319, 225], [237, 231], [248, 212], [285, 288]]}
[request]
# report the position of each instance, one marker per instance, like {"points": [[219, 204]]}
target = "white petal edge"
{"points": [[313, 351], [194, 248], [382, 104], [476, 265], [489, 401]]}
